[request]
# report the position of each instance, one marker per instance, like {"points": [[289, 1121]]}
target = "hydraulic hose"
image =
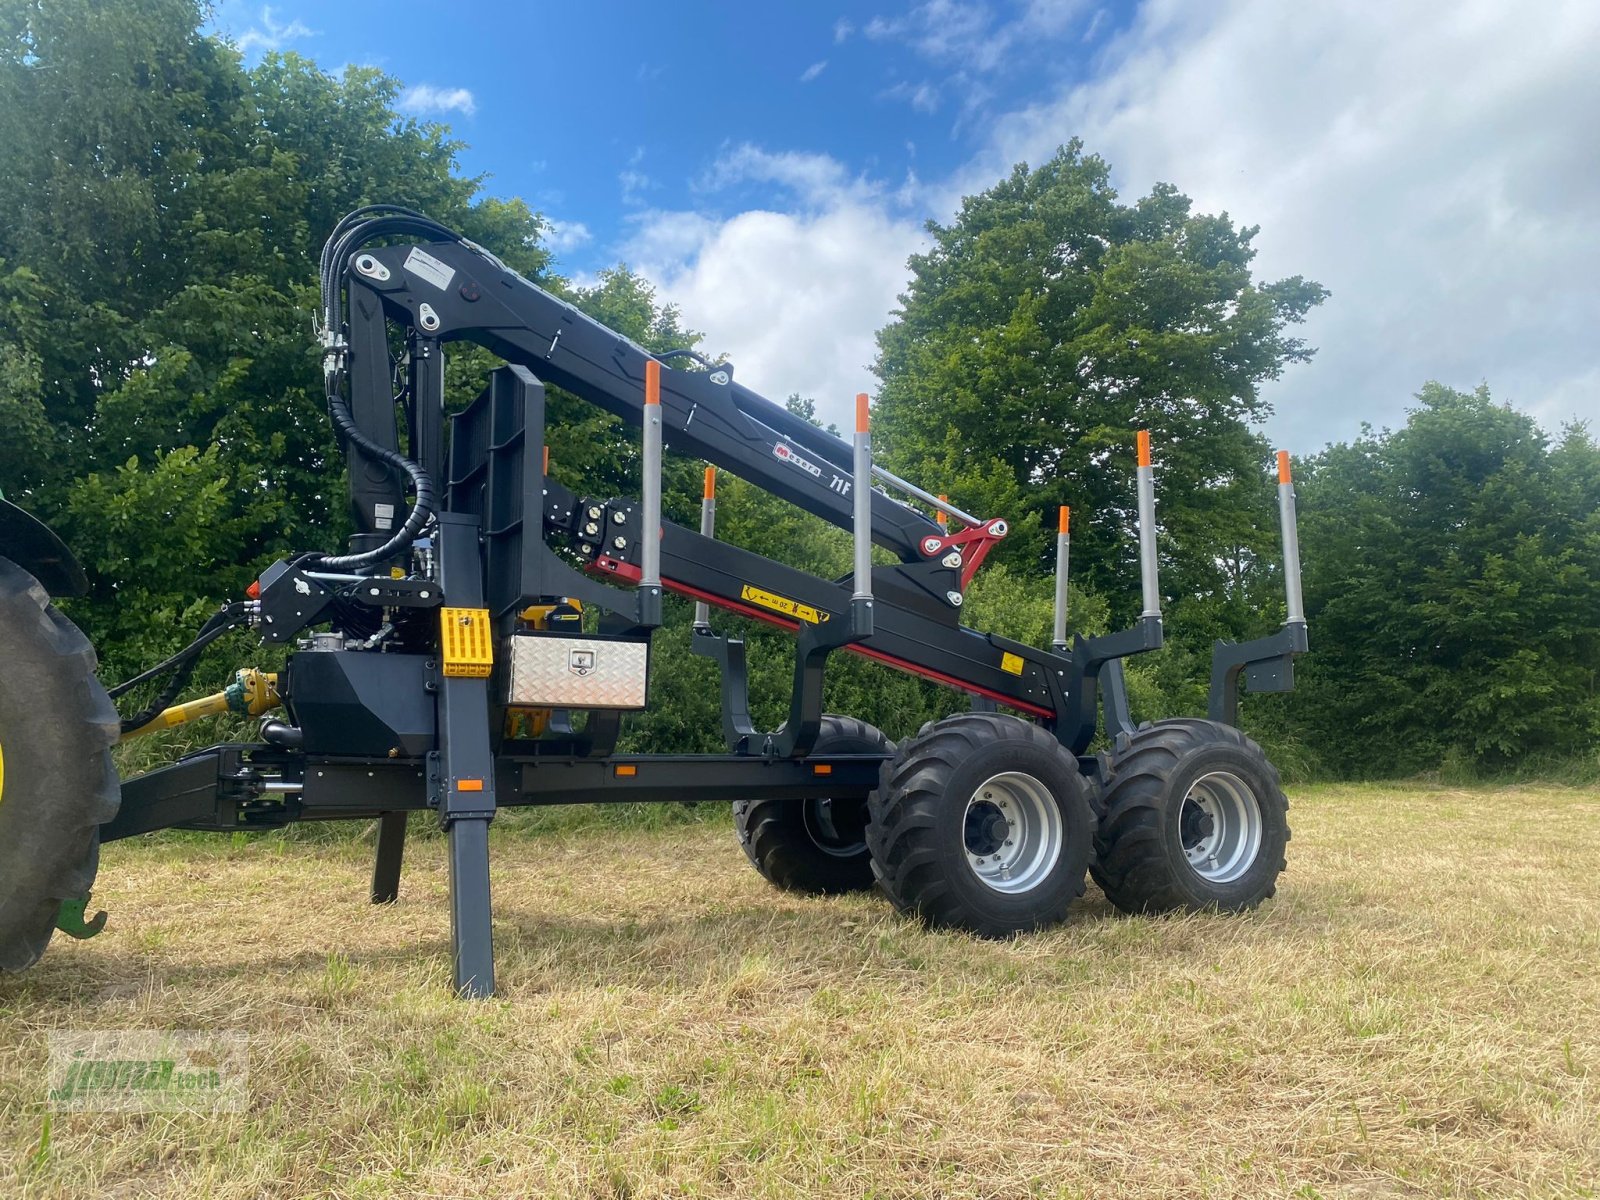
{"points": [[422, 507], [182, 665], [355, 230]]}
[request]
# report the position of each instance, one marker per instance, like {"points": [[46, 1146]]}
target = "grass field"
{"points": [[1417, 1014]]}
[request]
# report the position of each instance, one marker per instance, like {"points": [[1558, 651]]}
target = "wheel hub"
{"points": [[1220, 826], [837, 828], [1013, 832]]}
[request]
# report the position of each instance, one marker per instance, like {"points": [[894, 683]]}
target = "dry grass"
{"points": [[1417, 1014]]}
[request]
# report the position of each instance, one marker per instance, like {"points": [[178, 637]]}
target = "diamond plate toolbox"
{"points": [[551, 671]]}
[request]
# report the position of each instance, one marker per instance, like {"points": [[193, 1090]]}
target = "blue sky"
{"points": [[769, 166], [599, 112]]}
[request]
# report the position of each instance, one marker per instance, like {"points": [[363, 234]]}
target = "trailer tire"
{"points": [[57, 780], [1196, 821], [982, 822], [814, 846]]}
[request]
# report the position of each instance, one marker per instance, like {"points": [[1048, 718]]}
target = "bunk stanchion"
{"points": [[1148, 580], [861, 598], [650, 500], [708, 528], [1058, 638], [1291, 542]]}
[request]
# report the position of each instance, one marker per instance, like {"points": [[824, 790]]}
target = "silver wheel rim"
{"points": [[1220, 824], [1012, 831], [822, 828]]}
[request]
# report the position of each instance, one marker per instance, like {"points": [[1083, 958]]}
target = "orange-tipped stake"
{"points": [[861, 522], [652, 381], [1145, 483], [650, 495], [1293, 600], [708, 528], [1058, 635]]}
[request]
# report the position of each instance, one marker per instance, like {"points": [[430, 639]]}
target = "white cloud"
{"points": [[970, 36], [566, 235], [272, 34], [634, 185], [424, 100], [815, 69], [794, 297], [1435, 168], [923, 97], [817, 180], [842, 29]]}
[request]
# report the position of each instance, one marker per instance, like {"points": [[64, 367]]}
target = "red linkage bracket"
{"points": [[973, 544]]}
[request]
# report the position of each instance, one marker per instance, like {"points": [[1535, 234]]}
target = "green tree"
{"points": [[158, 279], [1453, 590], [1045, 324]]}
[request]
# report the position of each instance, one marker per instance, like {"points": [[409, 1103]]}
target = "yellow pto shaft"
{"points": [[251, 694]]}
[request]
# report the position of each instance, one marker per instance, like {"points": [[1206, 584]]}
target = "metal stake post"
{"points": [[1291, 542], [708, 528], [650, 500], [1147, 530], [861, 598], [1063, 552]]}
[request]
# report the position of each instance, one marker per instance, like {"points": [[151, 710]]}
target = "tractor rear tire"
{"points": [[57, 781], [814, 846], [982, 822], [1196, 821]]}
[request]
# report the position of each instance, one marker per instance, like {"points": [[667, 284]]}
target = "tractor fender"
{"points": [[30, 543]]}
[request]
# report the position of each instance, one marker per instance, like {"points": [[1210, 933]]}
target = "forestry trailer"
{"points": [[478, 641]]}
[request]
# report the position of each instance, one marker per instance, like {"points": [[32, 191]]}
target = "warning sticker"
{"points": [[1011, 663], [428, 268], [782, 604]]}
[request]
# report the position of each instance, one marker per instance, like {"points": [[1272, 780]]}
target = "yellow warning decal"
{"points": [[1011, 663], [464, 643], [782, 604]]}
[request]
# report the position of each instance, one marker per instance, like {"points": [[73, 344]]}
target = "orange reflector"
{"points": [[547, 460], [1063, 519], [469, 785], [1283, 467], [652, 382], [942, 517], [1144, 447], [822, 768], [254, 590], [861, 412], [626, 770], [711, 483]]}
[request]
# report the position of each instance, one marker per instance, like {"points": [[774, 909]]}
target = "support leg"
{"points": [[471, 929], [461, 772], [386, 863]]}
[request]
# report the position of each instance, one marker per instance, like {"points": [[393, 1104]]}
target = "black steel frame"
{"points": [[507, 536]]}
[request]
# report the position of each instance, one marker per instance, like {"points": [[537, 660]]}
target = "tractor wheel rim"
{"points": [[821, 820], [1013, 832], [1220, 824]]}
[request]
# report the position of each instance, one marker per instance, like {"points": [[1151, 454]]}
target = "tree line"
{"points": [[160, 405]]}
